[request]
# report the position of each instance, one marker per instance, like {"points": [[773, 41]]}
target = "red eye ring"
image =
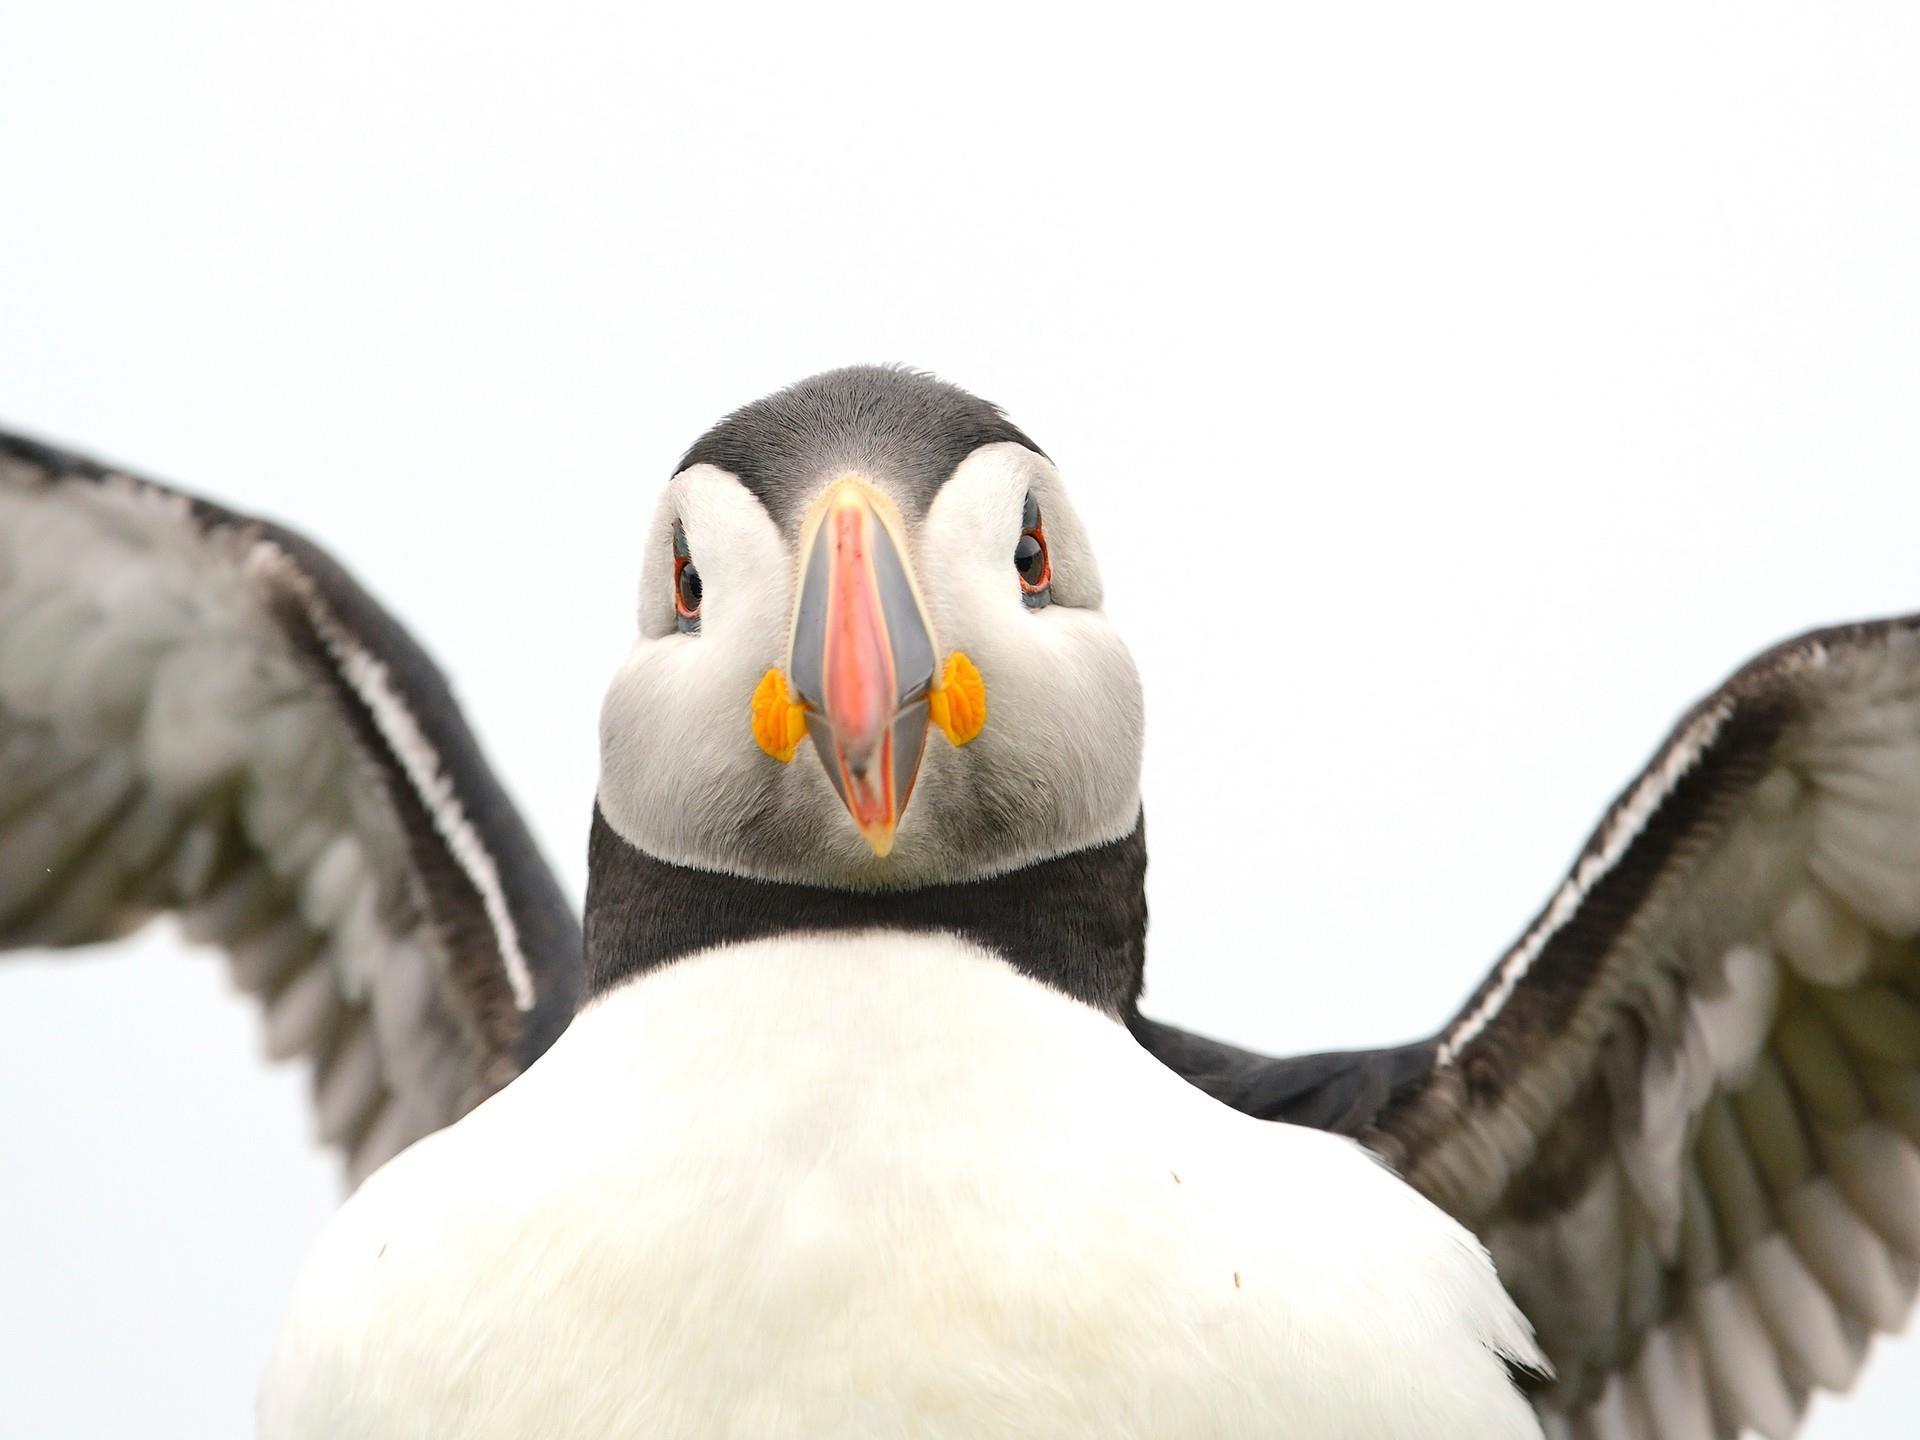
{"points": [[1024, 567], [1032, 561], [685, 585]]}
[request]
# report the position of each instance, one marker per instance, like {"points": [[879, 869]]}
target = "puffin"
{"points": [[839, 1115]]}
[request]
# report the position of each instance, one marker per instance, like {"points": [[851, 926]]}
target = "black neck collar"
{"points": [[1076, 922]]}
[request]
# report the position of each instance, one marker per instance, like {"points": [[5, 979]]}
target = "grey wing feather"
{"points": [[1683, 1111], [202, 714]]}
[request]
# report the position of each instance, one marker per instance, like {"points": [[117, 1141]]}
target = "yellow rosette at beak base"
{"points": [[779, 721], [958, 704]]}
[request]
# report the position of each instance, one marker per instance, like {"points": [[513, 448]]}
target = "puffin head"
{"points": [[871, 653]]}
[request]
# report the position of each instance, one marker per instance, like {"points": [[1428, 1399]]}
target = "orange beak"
{"points": [[863, 659]]}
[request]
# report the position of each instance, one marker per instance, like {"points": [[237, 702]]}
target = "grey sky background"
{"points": [[1452, 397]]}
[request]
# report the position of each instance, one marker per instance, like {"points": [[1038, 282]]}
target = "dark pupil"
{"points": [[1029, 559], [689, 588]]}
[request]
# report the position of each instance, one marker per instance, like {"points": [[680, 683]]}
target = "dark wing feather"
{"points": [[201, 713], [1683, 1111], [1343, 1091]]}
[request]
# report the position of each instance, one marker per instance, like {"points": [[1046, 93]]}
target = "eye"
{"points": [[1030, 560], [686, 584]]}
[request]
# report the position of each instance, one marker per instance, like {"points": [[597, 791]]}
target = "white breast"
{"points": [[875, 1186]]}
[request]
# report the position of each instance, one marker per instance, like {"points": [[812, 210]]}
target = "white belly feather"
{"points": [[878, 1186]]}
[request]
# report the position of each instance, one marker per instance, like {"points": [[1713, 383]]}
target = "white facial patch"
{"points": [[1065, 718], [1055, 770], [678, 771]]}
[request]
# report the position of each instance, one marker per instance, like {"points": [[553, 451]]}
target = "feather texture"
{"points": [[1722, 1005], [187, 725]]}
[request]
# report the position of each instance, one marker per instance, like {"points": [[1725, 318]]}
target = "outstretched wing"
{"points": [[202, 713], [1683, 1112]]}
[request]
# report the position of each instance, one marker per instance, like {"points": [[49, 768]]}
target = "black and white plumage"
{"points": [[1683, 1111], [202, 713], [850, 1137], [1680, 1113]]}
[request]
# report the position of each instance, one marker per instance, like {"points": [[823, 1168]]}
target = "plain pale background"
{"points": [[1452, 396]]}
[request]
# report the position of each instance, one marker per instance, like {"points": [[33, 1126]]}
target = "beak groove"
{"points": [[862, 660]]}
